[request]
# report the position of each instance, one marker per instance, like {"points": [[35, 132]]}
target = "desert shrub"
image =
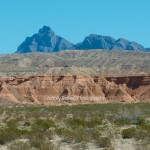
{"points": [[109, 148], [143, 132], [122, 121], [42, 144], [94, 134], [12, 123], [92, 122], [3, 136], [10, 134], [70, 136], [139, 121], [80, 146], [74, 122], [27, 123], [103, 142], [60, 131], [60, 115], [41, 129], [77, 135], [128, 133], [19, 145], [42, 125]]}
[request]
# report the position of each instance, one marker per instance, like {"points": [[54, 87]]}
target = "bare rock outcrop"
{"points": [[75, 89], [137, 86]]}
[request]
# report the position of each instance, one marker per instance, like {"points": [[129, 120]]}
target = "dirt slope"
{"points": [[110, 62]]}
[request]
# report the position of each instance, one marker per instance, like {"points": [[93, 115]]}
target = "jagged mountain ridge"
{"points": [[108, 43], [47, 41], [44, 41]]}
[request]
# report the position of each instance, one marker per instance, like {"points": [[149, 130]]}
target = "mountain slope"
{"points": [[105, 42], [44, 41]]}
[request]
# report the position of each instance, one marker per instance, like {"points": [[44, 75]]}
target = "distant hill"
{"points": [[47, 41], [111, 62]]}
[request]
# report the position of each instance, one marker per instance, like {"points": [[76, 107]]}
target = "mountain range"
{"points": [[47, 41]]}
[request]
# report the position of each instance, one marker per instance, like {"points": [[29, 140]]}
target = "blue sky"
{"points": [[73, 20]]}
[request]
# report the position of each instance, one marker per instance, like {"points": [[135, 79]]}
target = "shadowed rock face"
{"points": [[133, 82], [44, 41], [137, 86], [50, 90]]}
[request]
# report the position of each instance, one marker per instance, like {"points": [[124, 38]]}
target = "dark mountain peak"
{"points": [[44, 41], [93, 36], [94, 41], [45, 29]]}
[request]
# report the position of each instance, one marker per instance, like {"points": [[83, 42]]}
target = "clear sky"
{"points": [[74, 19]]}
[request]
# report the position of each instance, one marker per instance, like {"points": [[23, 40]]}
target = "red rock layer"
{"points": [[137, 86], [58, 90]]}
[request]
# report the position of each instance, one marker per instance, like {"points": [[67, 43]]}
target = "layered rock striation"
{"points": [[73, 89]]}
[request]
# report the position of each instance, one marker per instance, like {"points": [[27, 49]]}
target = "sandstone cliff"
{"points": [[73, 89]]}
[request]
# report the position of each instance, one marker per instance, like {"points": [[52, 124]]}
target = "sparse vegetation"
{"points": [[48, 128]]}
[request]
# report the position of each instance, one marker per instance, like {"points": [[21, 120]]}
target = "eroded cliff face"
{"points": [[137, 86], [72, 89]]}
